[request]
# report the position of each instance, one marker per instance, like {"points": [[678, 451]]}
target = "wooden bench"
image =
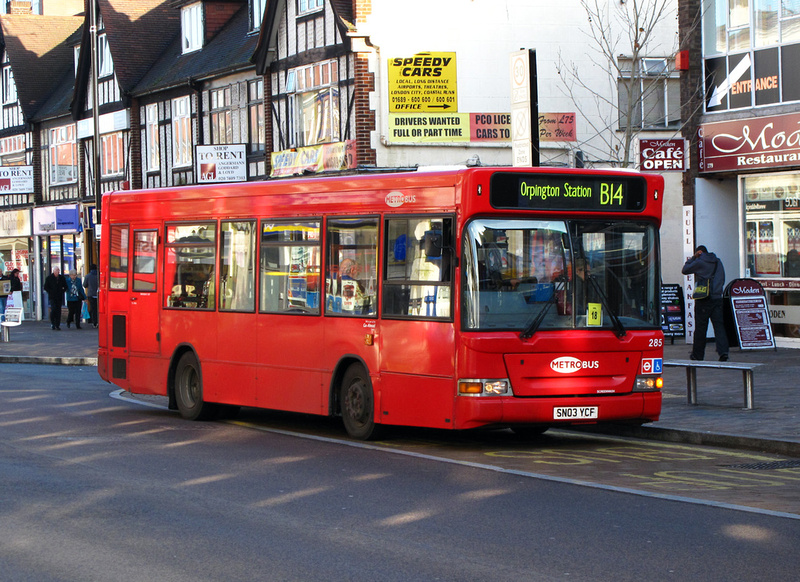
{"points": [[13, 319], [691, 376]]}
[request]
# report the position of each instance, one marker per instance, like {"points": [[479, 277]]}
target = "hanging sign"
{"points": [[751, 314]]}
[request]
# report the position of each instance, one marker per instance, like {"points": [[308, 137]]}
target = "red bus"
{"points": [[480, 297]]}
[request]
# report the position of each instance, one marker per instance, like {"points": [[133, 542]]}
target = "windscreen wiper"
{"points": [[619, 329], [531, 328]]}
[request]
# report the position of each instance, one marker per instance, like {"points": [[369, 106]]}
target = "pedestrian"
{"points": [[709, 280], [55, 286], [75, 298], [91, 283], [5, 291]]}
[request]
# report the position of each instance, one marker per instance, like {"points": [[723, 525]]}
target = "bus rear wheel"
{"points": [[358, 408], [189, 389]]}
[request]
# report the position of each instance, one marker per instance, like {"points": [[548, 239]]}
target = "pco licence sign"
{"points": [[662, 155]]}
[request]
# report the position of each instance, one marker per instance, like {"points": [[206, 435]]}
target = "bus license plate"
{"points": [[574, 412]]}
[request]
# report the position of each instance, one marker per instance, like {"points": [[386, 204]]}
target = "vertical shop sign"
{"points": [[749, 304], [688, 280]]}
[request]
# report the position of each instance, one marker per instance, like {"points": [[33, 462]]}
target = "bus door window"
{"points": [[237, 266], [145, 247], [621, 266], [418, 260], [118, 258], [190, 265], [290, 266], [352, 268]]}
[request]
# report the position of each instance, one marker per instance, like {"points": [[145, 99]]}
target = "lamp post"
{"points": [[98, 196]]}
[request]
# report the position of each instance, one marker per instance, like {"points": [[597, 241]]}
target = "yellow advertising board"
{"points": [[423, 83]]}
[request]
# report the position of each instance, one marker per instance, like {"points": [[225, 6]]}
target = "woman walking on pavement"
{"points": [[75, 298]]}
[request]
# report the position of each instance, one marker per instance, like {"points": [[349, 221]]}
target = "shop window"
{"points": [[653, 88], [417, 275], [772, 211], [237, 266], [181, 132], [220, 116], [290, 267], [118, 258], [351, 277], [63, 155], [313, 104], [152, 137], [112, 155], [190, 266], [145, 251], [192, 27]]}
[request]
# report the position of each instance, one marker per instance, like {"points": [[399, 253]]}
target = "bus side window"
{"points": [[417, 274], [190, 266], [351, 279], [290, 267], [237, 266]]}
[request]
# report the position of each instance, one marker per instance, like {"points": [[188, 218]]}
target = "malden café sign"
{"points": [[747, 144]]}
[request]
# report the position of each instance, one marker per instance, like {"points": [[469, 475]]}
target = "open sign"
{"points": [[662, 155]]}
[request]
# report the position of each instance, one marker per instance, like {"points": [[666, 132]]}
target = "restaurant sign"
{"points": [[750, 144]]}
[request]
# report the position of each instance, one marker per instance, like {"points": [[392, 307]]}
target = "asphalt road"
{"points": [[98, 488]]}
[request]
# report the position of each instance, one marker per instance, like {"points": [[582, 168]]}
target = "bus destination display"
{"points": [[576, 193]]}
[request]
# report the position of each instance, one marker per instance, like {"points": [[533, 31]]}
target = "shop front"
{"points": [[15, 252], [58, 240], [762, 155]]}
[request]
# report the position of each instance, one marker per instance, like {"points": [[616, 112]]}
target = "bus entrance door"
{"points": [[143, 312]]}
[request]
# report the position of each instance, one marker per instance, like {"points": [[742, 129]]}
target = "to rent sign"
{"points": [[662, 155], [16, 179], [221, 163], [749, 144]]}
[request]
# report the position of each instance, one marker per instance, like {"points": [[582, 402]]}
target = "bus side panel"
{"points": [[196, 330], [417, 373], [289, 373], [231, 377], [346, 338], [147, 374]]}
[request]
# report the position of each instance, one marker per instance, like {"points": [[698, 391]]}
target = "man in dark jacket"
{"points": [[705, 265], [91, 283], [55, 286]]}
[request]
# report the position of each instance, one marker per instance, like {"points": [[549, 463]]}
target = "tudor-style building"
{"points": [[317, 88], [203, 91], [37, 58]]}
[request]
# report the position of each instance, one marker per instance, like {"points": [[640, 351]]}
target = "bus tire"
{"points": [[357, 403], [189, 389]]}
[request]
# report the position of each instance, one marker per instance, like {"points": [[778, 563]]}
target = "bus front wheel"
{"points": [[189, 389], [358, 409]]}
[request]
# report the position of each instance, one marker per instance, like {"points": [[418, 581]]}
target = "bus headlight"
{"points": [[648, 384], [483, 387]]}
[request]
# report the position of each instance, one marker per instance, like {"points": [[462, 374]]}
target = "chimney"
{"points": [[20, 7]]}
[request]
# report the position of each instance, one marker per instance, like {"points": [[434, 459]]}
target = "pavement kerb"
{"points": [[49, 360], [693, 437]]}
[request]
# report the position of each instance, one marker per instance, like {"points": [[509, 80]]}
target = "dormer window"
{"points": [[192, 27], [105, 64], [309, 6], [9, 86], [257, 13]]}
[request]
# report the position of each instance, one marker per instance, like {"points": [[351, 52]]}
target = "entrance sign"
{"points": [[751, 315], [424, 82]]}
